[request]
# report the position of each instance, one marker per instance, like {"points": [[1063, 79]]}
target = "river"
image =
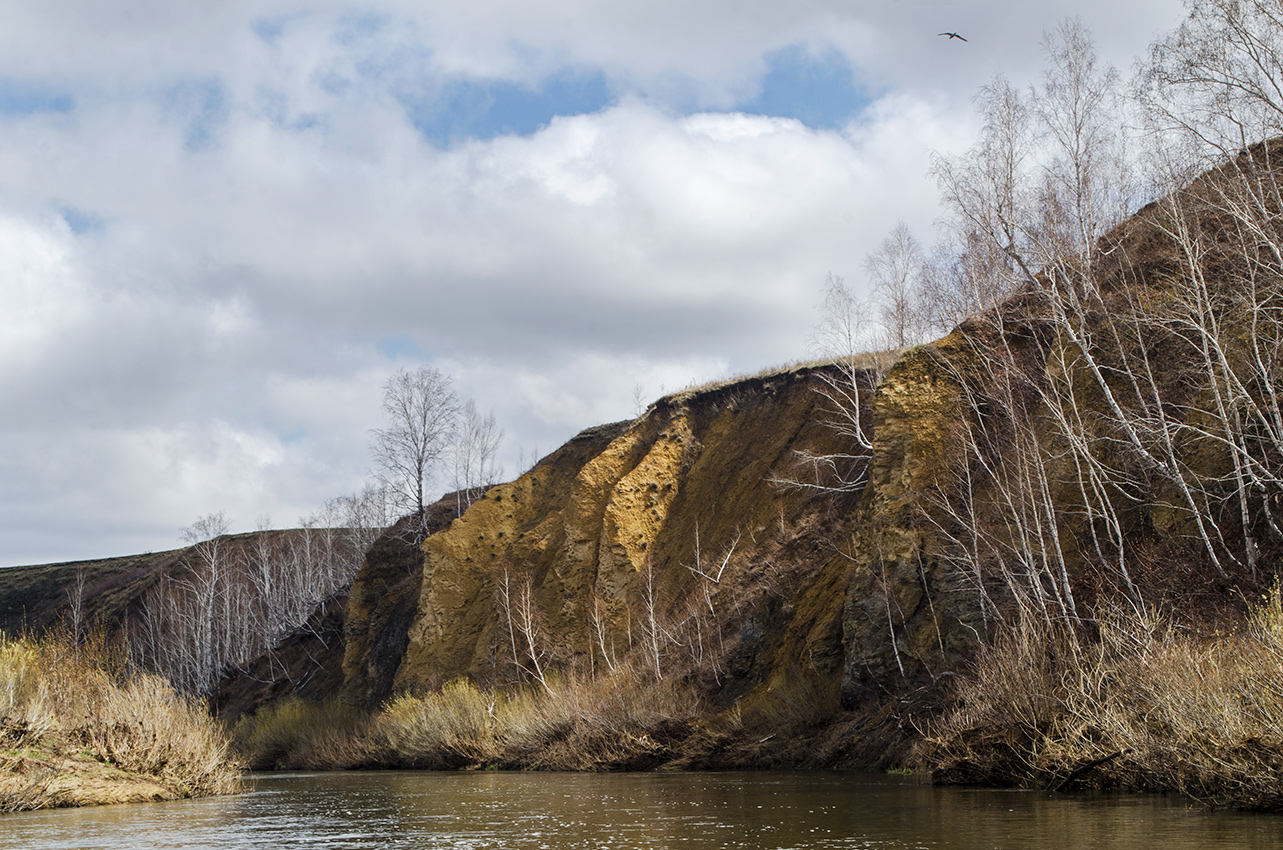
{"points": [[636, 811]]}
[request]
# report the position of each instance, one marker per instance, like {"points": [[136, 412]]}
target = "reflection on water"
{"points": [[703, 811]]}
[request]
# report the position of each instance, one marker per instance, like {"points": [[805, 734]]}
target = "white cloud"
{"points": [[264, 235], [44, 297]]}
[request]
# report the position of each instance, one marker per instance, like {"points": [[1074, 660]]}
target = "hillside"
{"points": [[37, 597]]}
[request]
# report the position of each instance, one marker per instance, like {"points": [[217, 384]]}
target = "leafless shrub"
{"points": [[1148, 706]]}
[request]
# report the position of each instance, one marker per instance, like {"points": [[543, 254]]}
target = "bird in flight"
{"points": [[953, 35]]}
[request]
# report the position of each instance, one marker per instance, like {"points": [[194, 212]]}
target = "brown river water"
{"points": [[514, 811]]}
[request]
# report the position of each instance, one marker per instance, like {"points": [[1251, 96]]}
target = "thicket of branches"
{"points": [[235, 596], [1119, 384], [1115, 469]]}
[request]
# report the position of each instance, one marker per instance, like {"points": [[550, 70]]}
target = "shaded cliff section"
{"points": [[380, 607], [372, 614]]}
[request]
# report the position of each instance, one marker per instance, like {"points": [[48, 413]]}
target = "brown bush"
{"points": [[77, 726]]}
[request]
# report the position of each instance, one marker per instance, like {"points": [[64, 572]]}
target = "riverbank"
{"points": [[1145, 704], [1139, 703], [623, 720], [79, 727]]}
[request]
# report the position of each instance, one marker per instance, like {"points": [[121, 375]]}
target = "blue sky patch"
{"points": [[817, 89], [393, 347], [202, 104], [19, 98], [358, 26], [269, 30], [80, 221], [294, 437], [474, 109]]}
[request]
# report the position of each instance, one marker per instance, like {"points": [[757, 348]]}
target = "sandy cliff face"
{"points": [[607, 525], [604, 537]]}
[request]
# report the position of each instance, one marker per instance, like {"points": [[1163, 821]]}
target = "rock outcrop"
{"points": [[604, 541]]}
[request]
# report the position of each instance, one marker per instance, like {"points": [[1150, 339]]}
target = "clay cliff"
{"points": [[680, 522], [799, 608]]}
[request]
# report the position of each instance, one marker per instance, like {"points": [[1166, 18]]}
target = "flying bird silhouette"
{"points": [[953, 35]]}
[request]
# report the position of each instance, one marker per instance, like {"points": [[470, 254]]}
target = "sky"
{"points": [[223, 226]]}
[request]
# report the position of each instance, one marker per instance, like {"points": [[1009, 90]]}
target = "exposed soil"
{"points": [[40, 779]]}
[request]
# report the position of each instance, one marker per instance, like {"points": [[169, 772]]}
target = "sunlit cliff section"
{"points": [[676, 535]]}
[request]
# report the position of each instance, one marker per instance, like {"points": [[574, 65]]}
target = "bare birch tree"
{"points": [[76, 607], [473, 453], [963, 277], [422, 410], [516, 595], [366, 515], [896, 270], [842, 336], [988, 190], [1218, 79], [1080, 111]]}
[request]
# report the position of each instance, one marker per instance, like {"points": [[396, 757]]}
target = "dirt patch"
{"points": [[41, 779]]}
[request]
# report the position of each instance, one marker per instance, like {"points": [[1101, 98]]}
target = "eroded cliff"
{"points": [[677, 534]]}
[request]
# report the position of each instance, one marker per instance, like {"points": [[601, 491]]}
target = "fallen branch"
{"points": [[1082, 769]]}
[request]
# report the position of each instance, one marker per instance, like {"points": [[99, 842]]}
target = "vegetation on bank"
{"points": [[79, 726], [1147, 706], [628, 716], [620, 721]]}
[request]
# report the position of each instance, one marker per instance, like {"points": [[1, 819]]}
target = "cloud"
{"points": [[222, 227]]}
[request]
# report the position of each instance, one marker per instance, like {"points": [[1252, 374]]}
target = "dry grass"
{"points": [[1145, 706], [452, 728], [77, 727], [873, 360], [625, 719], [297, 734], [621, 720]]}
